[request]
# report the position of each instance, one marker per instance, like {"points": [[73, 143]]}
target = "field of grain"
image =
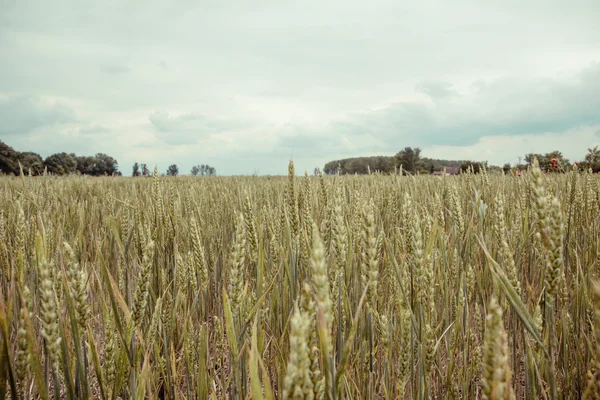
{"points": [[334, 287]]}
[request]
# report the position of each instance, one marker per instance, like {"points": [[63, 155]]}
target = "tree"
{"points": [[136, 170], [506, 168], [61, 163], [386, 164], [530, 157], [104, 165], [145, 170], [549, 162], [409, 159], [592, 160], [85, 165], [474, 166], [31, 162], [593, 155], [8, 159], [360, 165], [173, 170], [58, 163], [203, 170]]}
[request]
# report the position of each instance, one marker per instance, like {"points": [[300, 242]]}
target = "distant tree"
{"points": [[85, 164], [593, 155], [136, 169], [409, 158], [530, 157], [8, 159], [203, 170], [61, 163], [58, 163], [474, 166], [506, 168], [549, 162], [390, 165], [173, 170], [360, 165], [145, 170], [104, 165], [31, 162], [591, 160]]}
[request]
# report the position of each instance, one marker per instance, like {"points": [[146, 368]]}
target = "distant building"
{"points": [[449, 171]]}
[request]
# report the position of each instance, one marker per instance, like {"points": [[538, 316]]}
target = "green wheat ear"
{"points": [[297, 383], [496, 381]]}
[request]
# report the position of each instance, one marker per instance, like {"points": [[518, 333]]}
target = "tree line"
{"points": [[12, 162], [556, 162], [409, 161], [173, 170]]}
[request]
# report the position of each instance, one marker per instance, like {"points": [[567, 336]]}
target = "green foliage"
{"points": [[61, 163], [10, 158], [58, 163], [173, 170], [104, 165], [360, 165], [85, 165], [409, 159], [202, 170], [549, 162], [473, 166], [592, 160], [31, 162]]}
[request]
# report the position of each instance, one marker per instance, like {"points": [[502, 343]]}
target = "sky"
{"points": [[245, 86]]}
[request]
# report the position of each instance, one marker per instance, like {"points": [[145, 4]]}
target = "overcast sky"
{"points": [[245, 85]]}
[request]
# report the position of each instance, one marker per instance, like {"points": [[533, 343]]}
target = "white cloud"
{"points": [[20, 115]]}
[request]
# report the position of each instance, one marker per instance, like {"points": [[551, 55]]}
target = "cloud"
{"points": [[163, 65], [507, 106], [115, 69], [436, 90], [187, 128], [262, 82], [23, 114], [325, 140], [498, 150], [93, 129]]}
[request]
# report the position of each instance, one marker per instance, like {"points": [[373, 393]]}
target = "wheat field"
{"points": [[305, 287]]}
